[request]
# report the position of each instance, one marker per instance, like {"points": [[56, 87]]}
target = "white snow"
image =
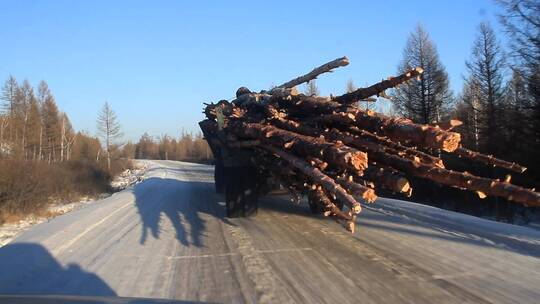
{"points": [[125, 179], [130, 176]]}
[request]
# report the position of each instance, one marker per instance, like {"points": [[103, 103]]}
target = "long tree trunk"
{"points": [[62, 138]]}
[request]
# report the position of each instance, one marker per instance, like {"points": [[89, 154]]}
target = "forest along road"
{"points": [[167, 237]]}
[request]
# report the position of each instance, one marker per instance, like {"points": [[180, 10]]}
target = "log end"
{"points": [[350, 226], [359, 160], [482, 195], [402, 185], [369, 195], [449, 142], [356, 208]]}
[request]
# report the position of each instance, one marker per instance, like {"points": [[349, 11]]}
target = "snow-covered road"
{"points": [[167, 237]]}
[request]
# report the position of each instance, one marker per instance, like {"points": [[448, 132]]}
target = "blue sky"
{"points": [[156, 62]]}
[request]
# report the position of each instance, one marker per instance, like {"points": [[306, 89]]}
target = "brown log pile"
{"points": [[338, 154]]}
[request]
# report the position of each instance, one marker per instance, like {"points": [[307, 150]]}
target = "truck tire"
{"points": [[241, 191], [314, 207], [219, 176]]}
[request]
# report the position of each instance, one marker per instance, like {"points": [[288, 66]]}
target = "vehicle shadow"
{"points": [[501, 237], [182, 203], [29, 268]]}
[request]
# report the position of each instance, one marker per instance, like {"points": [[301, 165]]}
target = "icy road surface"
{"points": [[168, 238]]}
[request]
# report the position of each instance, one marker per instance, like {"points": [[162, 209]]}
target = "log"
{"points": [[449, 125], [398, 148], [366, 193], [331, 209], [403, 130], [337, 155], [387, 178], [319, 146], [452, 178], [244, 143], [398, 129], [281, 122], [308, 106], [318, 177], [320, 197], [319, 164], [327, 67], [489, 160], [378, 143], [378, 88]]}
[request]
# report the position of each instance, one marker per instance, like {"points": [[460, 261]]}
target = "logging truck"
{"points": [[336, 153], [234, 176], [234, 173]]}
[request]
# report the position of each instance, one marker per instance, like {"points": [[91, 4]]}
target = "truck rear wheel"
{"points": [[219, 176], [241, 193], [315, 207]]}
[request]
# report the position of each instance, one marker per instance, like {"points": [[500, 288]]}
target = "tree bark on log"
{"points": [[327, 67], [449, 124], [403, 130], [303, 105], [334, 154], [318, 177], [398, 129], [366, 193], [320, 197], [449, 177], [489, 160], [378, 88], [387, 178], [399, 149]]}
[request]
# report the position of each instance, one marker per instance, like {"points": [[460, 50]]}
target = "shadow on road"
{"points": [[518, 240], [182, 202], [27, 268]]}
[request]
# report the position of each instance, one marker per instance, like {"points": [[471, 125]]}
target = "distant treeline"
{"points": [[187, 147], [42, 159], [499, 105]]}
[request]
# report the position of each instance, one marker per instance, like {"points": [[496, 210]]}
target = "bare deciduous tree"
{"points": [[311, 88], [8, 95], [350, 86], [108, 129]]}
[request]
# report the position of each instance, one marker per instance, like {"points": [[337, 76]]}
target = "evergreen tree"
{"points": [[467, 111], [486, 74], [521, 20], [426, 100], [51, 129], [35, 127]]}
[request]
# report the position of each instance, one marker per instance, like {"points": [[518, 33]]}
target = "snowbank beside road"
{"points": [[125, 179], [130, 176]]}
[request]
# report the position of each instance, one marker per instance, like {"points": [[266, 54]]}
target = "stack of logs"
{"points": [[338, 154]]}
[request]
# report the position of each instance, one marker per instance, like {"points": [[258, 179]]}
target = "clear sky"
{"points": [[156, 62]]}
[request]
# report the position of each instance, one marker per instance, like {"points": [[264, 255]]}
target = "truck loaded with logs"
{"points": [[334, 152]]}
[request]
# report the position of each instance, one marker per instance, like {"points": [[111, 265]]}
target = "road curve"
{"points": [[167, 238]]}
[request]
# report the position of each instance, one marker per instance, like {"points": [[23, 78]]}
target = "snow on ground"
{"points": [[130, 176], [125, 179]]}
